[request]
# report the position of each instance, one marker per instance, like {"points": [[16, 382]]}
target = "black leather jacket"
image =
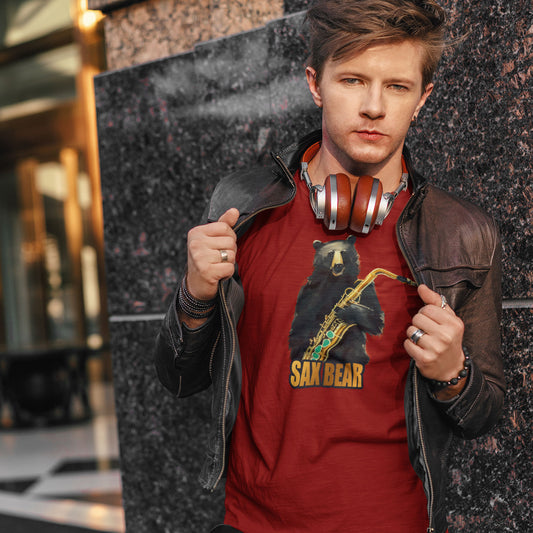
{"points": [[449, 244]]}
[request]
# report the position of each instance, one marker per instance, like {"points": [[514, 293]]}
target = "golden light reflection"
{"points": [[87, 19]]}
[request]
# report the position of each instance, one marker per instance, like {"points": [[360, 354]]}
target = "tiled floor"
{"points": [[65, 475]]}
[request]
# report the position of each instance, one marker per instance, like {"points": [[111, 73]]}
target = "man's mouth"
{"points": [[370, 135]]}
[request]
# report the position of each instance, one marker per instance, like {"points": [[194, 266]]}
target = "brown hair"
{"points": [[339, 28]]}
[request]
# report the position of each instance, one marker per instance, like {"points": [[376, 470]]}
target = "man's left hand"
{"points": [[438, 353]]}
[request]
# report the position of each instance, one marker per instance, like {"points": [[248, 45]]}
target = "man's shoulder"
{"points": [[458, 222], [451, 205]]}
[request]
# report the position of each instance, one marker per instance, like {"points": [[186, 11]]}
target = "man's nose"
{"points": [[373, 106]]}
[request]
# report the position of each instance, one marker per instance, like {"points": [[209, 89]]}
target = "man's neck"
{"points": [[325, 163]]}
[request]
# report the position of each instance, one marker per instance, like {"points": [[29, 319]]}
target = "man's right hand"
{"points": [[204, 244]]}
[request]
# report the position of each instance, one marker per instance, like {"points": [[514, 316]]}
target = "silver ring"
{"points": [[443, 301], [417, 335], [223, 256]]}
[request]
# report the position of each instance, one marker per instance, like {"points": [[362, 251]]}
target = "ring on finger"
{"points": [[443, 301], [417, 335], [223, 256]]}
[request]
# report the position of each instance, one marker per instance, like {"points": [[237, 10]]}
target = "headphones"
{"points": [[333, 202]]}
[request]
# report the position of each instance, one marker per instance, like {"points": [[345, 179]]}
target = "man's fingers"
{"points": [[428, 296], [228, 257], [230, 217], [223, 226], [212, 249]]}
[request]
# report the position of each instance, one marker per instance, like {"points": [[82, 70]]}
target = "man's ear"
{"points": [[312, 82], [425, 95]]}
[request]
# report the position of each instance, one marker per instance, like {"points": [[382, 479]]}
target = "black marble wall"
{"points": [[169, 128]]}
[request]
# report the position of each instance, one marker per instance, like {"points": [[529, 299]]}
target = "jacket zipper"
{"points": [[212, 356], [400, 242], [431, 495], [222, 422]]}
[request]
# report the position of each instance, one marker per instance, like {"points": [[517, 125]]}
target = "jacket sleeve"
{"points": [[182, 355], [479, 405]]}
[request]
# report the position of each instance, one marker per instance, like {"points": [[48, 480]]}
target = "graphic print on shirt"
{"points": [[335, 311]]}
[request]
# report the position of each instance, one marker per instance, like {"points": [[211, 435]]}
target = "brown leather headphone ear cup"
{"points": [[367, 196], [338, 201]]}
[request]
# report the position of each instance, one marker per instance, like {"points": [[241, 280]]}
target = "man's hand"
{"points": [[438, 354], [205, 265]]}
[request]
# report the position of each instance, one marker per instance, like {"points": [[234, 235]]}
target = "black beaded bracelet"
{"points": [[193, 307], [438, 385]]}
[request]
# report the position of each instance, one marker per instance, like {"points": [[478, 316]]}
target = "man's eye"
{"points": [[400, 88], [352, 81]]}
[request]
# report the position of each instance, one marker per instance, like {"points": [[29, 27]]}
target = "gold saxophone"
{"points": [[332, 329]]}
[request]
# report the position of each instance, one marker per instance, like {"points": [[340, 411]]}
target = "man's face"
{"points": [[368, 102]]}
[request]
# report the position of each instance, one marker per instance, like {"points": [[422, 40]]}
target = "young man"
{"points": [[361, 329]]}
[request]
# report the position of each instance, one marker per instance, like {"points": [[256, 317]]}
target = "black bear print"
{"points": [[336, 269]]}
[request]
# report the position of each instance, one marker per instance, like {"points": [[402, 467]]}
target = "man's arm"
{"points": [[182, 354], [188, 336], [480, 404]]}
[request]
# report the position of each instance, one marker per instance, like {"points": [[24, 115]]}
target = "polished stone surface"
{"points": [[158, 28], [151, 152], [64, 478], [474, 136], [293, 6], [168, 129], [490, 487], [162, 442], [233, 87], [293, 111]]}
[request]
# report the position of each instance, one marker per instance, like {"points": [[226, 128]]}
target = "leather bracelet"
{"points": [[193, 307], [439, 385]]}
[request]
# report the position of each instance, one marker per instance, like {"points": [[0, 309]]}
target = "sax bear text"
{"points": [[328, 374]]}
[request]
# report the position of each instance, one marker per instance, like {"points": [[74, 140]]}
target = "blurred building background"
{"points": [[59, 466], [53, 298], [52, 279]]}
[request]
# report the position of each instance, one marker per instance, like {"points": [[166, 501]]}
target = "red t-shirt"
{"points": [[319, 444]]}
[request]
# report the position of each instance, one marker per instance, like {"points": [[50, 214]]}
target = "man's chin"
{"points": [[368, 158]]}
